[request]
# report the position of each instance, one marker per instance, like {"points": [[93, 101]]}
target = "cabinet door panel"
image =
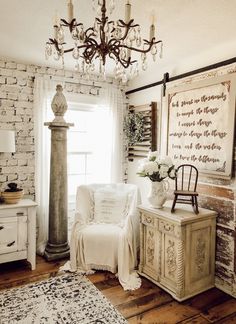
{"points": [[201, 254], [151, 251], [169, 261], [8, 235]]}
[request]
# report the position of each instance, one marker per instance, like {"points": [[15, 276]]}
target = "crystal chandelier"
{"points": [[116, 40]]}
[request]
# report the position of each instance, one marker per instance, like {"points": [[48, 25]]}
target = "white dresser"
{"points": [[177, 250], [18, 232]]}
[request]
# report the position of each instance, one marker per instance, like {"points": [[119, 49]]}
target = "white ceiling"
{"points": [[187, 27]]}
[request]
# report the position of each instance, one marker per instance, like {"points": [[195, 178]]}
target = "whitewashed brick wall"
{"points": [[16, 113]]}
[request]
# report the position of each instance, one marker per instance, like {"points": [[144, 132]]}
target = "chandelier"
{"points": [[107, 39]]}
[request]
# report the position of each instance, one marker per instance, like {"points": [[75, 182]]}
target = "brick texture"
{"points": [[16, 112]]}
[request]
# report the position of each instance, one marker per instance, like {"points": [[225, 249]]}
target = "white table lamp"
{"points": [[7, 141]]}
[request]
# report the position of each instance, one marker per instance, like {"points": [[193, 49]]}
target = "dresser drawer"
{"points": [[149, 220], [8, 234], [13, 212], [13, 234], [18, 232]]}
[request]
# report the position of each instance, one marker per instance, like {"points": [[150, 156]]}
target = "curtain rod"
{"points": [[91, 83], [184, 75]]}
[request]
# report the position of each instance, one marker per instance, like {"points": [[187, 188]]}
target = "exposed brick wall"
{"points": [[16, 113]]}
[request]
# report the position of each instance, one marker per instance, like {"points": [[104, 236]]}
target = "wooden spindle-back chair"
{"points": [[185, 186]]}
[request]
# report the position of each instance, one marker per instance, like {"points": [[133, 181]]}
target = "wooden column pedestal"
{"points": [[57, 245]]}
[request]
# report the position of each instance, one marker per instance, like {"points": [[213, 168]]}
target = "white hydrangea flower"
{"points": [[164, 168], [150, 168], [163, 174], [166, 160]]}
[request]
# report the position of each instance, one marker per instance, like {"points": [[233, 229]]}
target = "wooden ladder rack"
{"points": [[149, 142]]}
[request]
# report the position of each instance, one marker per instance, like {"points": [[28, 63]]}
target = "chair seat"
{"points": [[185, 193], [100, 246]]}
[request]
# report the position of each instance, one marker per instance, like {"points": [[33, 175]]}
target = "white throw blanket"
{"points": [[111, 247]]}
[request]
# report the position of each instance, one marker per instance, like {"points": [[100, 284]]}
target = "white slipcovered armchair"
{"points": [[105, 234]]}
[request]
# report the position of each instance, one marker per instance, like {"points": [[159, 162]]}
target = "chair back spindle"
{"points": [[186, 185]]}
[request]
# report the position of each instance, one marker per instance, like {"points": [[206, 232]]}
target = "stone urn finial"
{"points": [[59, 105]]}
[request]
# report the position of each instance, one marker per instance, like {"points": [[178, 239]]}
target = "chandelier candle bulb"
{"points": [[56, 25], [56, 21], [127, 12], [55, 31], [70, 11], [152, 31]]}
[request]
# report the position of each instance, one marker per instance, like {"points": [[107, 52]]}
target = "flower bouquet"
{"points": [[157, 170]]}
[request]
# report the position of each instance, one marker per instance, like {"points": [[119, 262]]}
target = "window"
{"points": [[79, 147], [87, 148]]}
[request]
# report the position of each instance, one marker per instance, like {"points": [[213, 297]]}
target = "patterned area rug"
{"points": [[66, 299]]}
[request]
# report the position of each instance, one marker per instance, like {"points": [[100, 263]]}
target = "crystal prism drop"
{"points": [[138, 41], [46, 53], [144, 65], [75, 52], [75, 34], [77, 67], [161, 51], [154, 50], [56, 55], [60, 35]]}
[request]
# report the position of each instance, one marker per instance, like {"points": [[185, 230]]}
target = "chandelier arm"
{"points": [[53, 41], [127, 27], [71, 49], [91, 42], [90, 57], [124, 64], [113, 42], [72, 23], [89, 29], [140, 50], [129, 24]]}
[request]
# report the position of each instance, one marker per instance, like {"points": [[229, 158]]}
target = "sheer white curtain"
{"points": [[114, 102], [44, 89], [108, 144]]}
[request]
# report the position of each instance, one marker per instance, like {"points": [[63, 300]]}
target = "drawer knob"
{"points": [[10, 244], [20, 214], [1, 227]]}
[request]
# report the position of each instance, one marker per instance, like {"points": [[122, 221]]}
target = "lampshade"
{"points": [[7, 141]]}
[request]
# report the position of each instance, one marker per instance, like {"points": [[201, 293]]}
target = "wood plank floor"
{"points": [[147, 305]]}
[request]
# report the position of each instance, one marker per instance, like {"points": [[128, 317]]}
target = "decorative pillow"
{"points": [[110, 206]]}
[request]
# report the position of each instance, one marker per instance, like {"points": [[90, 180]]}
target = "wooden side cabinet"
{"points": [[177, 250], [18, 232]]}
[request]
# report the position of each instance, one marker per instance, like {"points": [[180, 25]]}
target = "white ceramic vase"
{"points": [[158, 193]]}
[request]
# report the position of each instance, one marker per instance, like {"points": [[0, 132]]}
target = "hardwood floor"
{"points": [[149, 304]]}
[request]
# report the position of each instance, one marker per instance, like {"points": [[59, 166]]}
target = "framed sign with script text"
{"points": [[200, 128]]}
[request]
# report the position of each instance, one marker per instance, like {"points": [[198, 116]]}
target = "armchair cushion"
{"points": [[110, 206]]}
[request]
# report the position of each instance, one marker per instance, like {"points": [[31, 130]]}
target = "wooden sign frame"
{"points": [[200, 110]]}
